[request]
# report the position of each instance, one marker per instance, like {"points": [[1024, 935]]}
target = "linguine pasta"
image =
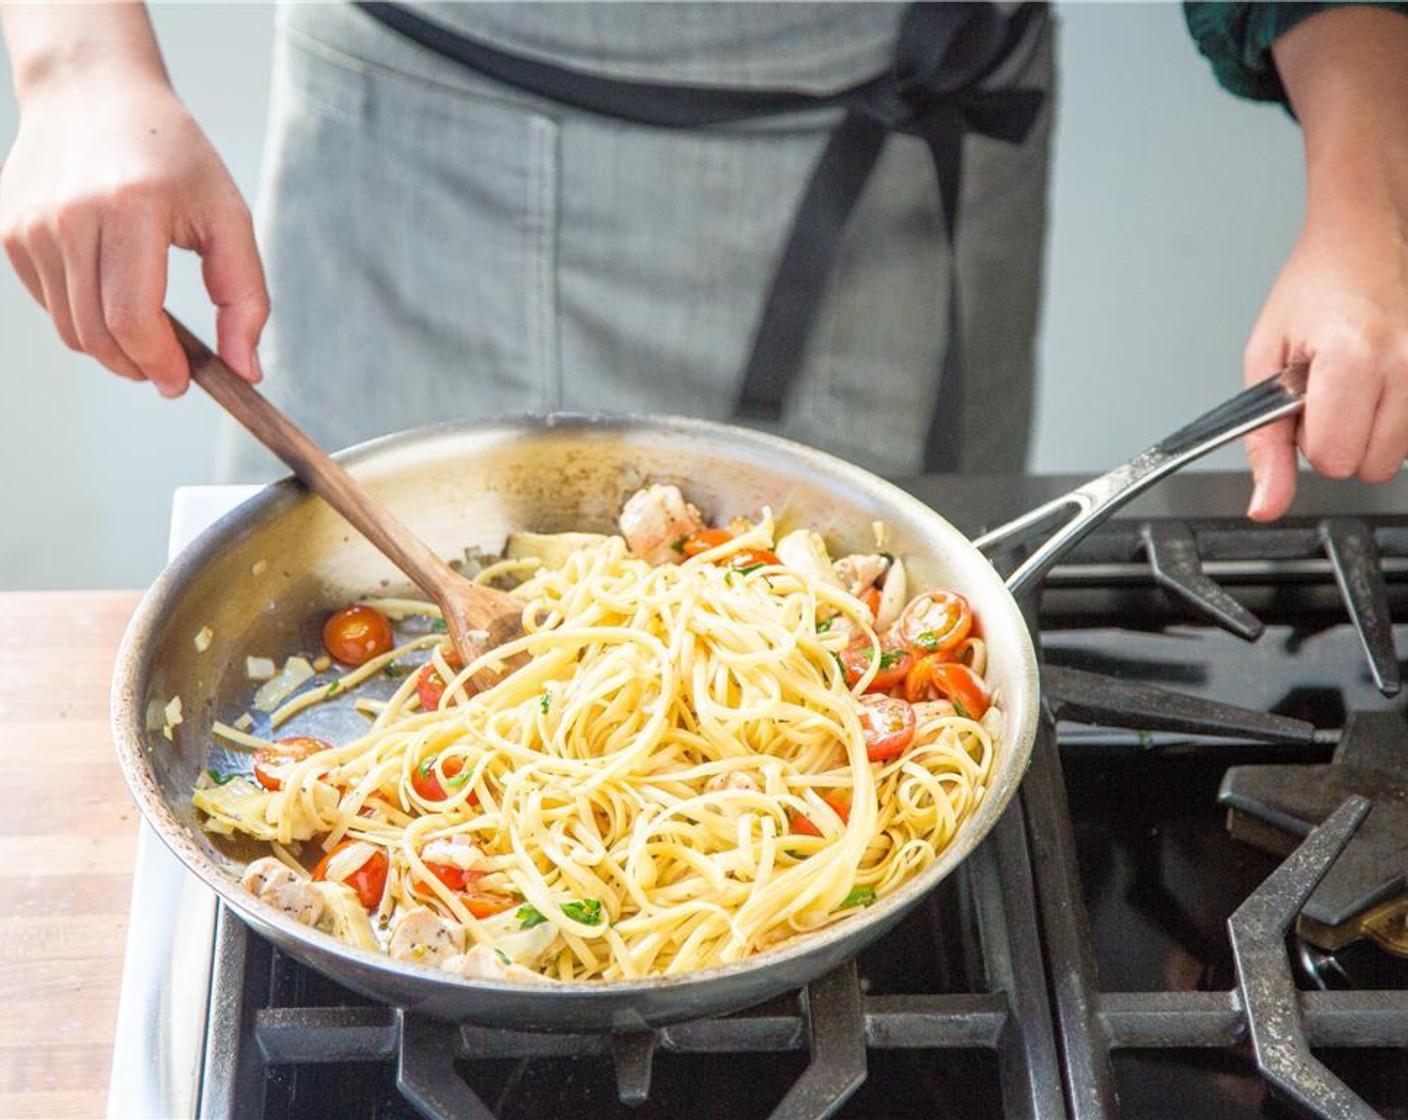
{"points": [[679, 774]]}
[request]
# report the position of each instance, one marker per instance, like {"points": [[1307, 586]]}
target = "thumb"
{"points": [[234, 277], [1272, 453]]}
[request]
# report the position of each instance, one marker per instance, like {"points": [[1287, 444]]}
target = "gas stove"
{"points": [[1114, 950]]}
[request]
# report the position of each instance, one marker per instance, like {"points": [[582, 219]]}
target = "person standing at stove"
{"points": [[691, 208]]}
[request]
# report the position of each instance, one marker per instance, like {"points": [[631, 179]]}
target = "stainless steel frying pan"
{"points": [[263, 576]]}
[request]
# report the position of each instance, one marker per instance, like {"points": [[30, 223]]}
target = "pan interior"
{"points": [[262, 579]]}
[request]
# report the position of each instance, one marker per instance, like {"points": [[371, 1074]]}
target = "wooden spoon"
{"points": [[477, 618]]}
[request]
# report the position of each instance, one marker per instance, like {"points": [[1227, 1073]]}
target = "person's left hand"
{"points": [[1341, 301]]}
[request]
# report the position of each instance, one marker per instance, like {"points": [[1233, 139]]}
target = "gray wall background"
{"points": [[1174, 206]]}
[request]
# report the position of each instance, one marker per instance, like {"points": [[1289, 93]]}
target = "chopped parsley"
{"points": [[859, 896], [839, 663], [927, 640], [393, 670], [891, 659], [529, 916], [678, 545], [439, 625], [220, 779], [587, 911], [545, 703], [824, 625], [332, 690], [504, 958], [458, 780], [423, 770], [748, 569], [795, 854], [960, 709]]}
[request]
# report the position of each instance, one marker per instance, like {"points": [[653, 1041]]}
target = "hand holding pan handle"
{"points": [[1282, 394]]}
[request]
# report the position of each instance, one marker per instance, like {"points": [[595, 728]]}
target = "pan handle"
{"points": [[1074, 515]]}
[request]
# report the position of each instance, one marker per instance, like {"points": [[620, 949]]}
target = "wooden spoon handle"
{"points": [[313, 466]]}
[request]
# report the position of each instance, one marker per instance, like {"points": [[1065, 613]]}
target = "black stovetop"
{"points": [[1080, 963]]}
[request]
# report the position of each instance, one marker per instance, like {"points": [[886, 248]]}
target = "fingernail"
{"points": [[1258, 500]]}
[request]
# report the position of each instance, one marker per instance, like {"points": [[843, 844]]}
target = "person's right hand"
{"points": [[101, 182]]}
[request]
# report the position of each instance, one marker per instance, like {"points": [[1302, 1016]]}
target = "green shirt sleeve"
{"points": [[1236, 39]]}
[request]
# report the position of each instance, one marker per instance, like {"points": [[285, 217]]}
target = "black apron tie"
{"points": [[944, 53]]}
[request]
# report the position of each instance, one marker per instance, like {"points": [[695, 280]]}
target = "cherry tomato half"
{"points": [[425, 780], [934, 622], [958, 683], [452, 875], [888, 725], [430, 685], [751, 557], [270, 761], [703, 540], [802, 825], [368, 880], [894, 664], [354, 635], [484, 905], [444, 857]]}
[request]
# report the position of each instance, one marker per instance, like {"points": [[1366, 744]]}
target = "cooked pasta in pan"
{"points": [[708, 741]]}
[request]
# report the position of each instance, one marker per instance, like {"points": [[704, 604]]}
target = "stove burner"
{"points": [[1269, 803]]}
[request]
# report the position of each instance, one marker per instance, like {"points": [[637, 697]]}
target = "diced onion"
{"points": [[258, 567], [203, 639], [272, 693], [245, 722], [173, 717], [259, 668]]}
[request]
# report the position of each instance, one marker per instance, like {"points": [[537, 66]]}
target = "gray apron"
{"points": [[442, 245]]}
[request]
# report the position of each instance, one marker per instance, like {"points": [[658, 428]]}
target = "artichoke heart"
{"points": [[237, 806], [805, 551], [241, 806], [522, 946], [344, 917], [551, 550]]}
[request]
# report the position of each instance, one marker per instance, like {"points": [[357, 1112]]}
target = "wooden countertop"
{"points": [[67, 844]]}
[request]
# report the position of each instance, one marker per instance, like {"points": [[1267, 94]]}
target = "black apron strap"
{"points": [[680, 105], [933, 90]]}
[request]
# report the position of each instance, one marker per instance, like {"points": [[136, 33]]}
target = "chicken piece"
{"points": [[284, 889], [424, 937], [298, 900], [265, 874], [862, 571], [655, 520], [484, 962]]}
